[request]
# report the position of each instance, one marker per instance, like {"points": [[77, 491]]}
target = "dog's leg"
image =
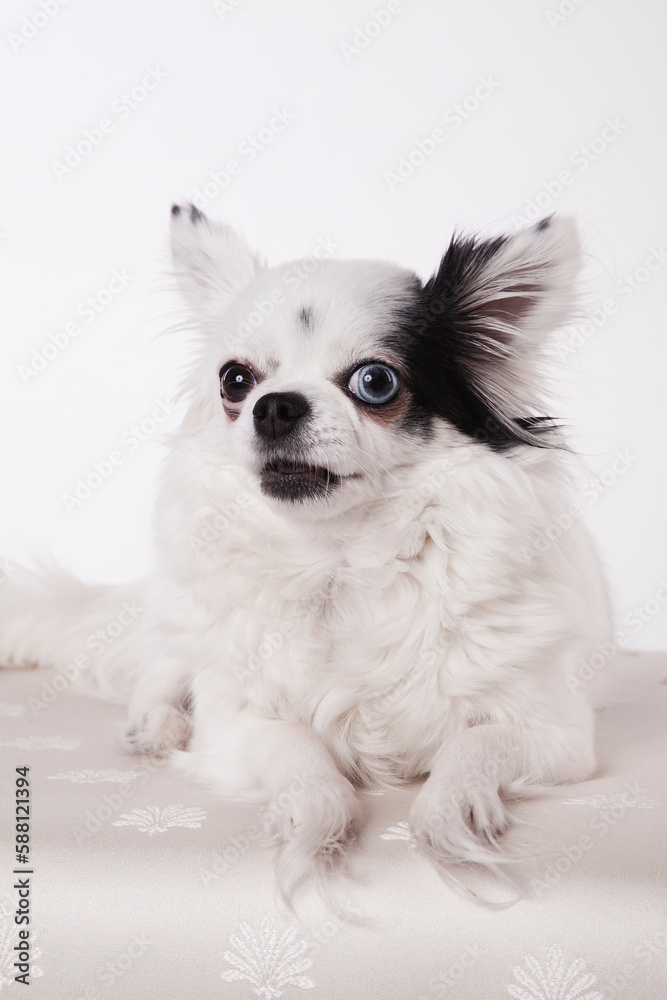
{"points": [[311, 808], [464, 806], [158, 721]]}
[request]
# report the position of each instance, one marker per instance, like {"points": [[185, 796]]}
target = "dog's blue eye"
{"points": [[374, 383]]}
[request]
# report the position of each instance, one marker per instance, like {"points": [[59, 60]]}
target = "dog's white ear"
{"points": [[213, 263]]}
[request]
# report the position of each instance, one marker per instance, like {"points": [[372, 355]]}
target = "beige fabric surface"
{"points": [[145, 885]]}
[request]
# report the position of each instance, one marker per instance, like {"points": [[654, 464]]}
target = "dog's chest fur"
{"points": [[388, 634], [342, 651]]}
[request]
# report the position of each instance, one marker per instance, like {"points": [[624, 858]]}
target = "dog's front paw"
{"points": [[312, 820], [460, 822], [161, 730]]}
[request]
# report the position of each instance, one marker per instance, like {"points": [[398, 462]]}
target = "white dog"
{"points": [[353, 589]]}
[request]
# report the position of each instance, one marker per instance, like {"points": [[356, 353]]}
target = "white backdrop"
{"points": [[378, 127]]}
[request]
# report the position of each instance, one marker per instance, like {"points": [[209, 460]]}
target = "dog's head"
{"points": [[327, 377]]}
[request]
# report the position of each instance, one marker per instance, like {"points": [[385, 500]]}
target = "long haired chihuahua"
{"points": [[353, 589]]}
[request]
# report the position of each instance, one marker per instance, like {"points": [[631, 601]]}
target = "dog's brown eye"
{"points": [[236, 381]]}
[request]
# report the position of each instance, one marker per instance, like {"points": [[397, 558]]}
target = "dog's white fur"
{"points": [[411, 623]]}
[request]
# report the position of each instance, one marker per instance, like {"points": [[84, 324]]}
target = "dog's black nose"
{"points": [[277, 413]]}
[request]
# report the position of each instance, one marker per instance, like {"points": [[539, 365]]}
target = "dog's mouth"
{"points": [[296, 481]]}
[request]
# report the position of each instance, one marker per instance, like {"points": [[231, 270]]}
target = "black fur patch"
{"points": [[306, 318], [195, 214], [444, 346]]}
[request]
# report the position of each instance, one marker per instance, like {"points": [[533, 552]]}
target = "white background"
{"points": [[553, 80]]}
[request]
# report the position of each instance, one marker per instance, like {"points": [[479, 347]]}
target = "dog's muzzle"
{"points": [[277, 417]]}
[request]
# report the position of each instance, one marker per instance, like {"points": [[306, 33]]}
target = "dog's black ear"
{"points": [[213, 263], [483, 319]]}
